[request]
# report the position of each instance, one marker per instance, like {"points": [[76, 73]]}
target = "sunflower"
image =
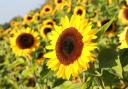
{"points": [[37, 16], [111, 31], [14, 23], [59, 2], [123, 38], [39, 58], [79, 10], [71, 45], [24, 41], [67, 7], [123, 15], [28, 19], [46, 9], [60, 5], [49, 22], [45, 29]]}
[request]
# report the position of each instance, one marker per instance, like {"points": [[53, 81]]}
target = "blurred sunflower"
{"points": [[45, 29], [28, 19], [67, 7], [49, 22], [14, 23], [79, 10], [46, 9], [59, 2], [82, 1], [123, 38], [72, 45], [123, 15], [61, 5], [24, 41], [37, 17], [111, 31], [39, 58]]}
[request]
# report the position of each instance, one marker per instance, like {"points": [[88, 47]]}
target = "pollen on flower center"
{"points": [[25, 40], [69, 46]]}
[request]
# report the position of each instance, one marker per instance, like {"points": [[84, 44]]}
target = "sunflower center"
{"points": [[79, 12], [126, 13], [47, 30], [40, 55], [47, 9], [110, 27], [59, 1], [25, 41], [50, 23], [69, 46], [29, 17]]}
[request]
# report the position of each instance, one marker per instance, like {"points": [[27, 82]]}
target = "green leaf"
{"points": [[125, 68], [107, 57], [69, 85], [105, 27], [118, 68], [16, 63], [87, 84]]}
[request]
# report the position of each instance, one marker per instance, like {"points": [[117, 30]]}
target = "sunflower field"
{"points": [[66, 44]]}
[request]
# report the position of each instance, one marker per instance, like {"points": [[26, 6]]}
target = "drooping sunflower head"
{"points": [[24, 41], [45, 30], [37, 16], [79, 10], [123, 15], [46, 9], [67, 7], [123, 38], [72, 47]]}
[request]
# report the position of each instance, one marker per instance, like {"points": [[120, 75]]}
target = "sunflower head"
{"points": [[59, 2], [123, 15], [123, 38], [14, 23], [39, 58], [37, 16], [45, 30], [72, 47], [46, 9], [79, 10], [24, 41], [111, 30], [28, 19], [49, 22]]}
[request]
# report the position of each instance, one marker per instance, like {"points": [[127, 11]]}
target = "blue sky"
{"points": [[11, 8]]}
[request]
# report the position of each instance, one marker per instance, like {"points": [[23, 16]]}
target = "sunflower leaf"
{"points": [[118, 68], [87, 84], [68, 85]]}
